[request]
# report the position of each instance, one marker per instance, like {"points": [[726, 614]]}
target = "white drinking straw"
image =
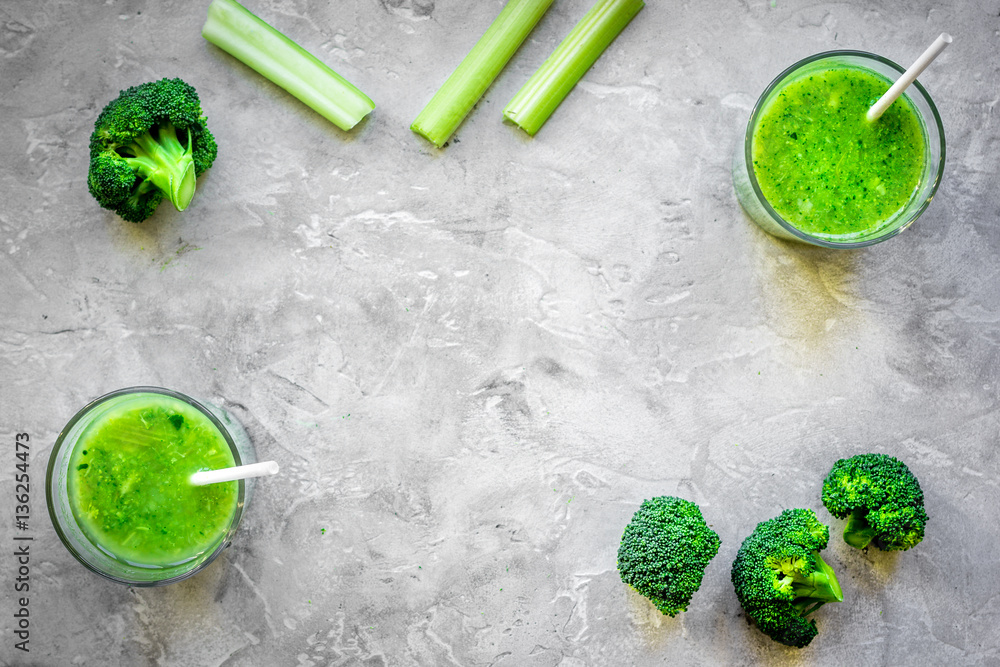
{"points": [[908, 77], [236, 472]]}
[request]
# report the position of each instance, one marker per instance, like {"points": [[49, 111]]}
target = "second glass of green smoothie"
{"points": [[811, 168]]}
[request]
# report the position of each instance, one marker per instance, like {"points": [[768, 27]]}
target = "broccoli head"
{"points": [[780, 577], [148, 143], [664, 552], [881, 500]]}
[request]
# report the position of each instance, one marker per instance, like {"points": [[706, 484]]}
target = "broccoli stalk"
{"points": [[858, 532], [812, 587], [164, 162]]}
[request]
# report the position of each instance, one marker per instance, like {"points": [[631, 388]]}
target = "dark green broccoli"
{"points": [[780, 577], [665, 550], [149, 142], [881, 500]]}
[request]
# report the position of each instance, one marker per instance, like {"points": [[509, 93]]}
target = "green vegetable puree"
{"points": [[128, 481], [823, 167]]}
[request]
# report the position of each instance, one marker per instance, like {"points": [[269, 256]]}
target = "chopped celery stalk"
{"points": [[539, 97], [453, 101], [232, 28]]}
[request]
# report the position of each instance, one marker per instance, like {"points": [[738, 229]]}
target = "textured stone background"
{"points": [[473, 364]]}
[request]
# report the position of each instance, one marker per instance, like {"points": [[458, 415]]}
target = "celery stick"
{"points": [[539, 97], [453, 101], [232, 28]]}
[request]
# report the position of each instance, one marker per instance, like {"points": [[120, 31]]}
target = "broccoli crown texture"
{"points": [[149, 143], [664, 552], [881, 500], [780, 577]]}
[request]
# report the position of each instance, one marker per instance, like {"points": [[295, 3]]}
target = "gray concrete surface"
{"points": [[473, 364]]}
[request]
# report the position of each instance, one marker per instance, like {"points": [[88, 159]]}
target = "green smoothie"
{"points": [[128, 481], [823, 167]]}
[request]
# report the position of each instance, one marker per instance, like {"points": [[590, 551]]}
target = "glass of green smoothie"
{"points": [[812, 168], [118, 487]]}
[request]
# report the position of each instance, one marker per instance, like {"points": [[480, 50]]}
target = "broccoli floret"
{"points": [[780, 577], [149, 143], [881, 500], [665, 550]]}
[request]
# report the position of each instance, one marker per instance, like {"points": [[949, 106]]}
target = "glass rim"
{"points": [[748, 146], [60, 440]]}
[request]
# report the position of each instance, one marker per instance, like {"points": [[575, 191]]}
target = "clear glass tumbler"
{"points": [[748, 190], [99, 557]]}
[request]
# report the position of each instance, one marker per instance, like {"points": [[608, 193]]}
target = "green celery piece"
{"points": [[232, 28], [546, 89], [453, 101]]}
